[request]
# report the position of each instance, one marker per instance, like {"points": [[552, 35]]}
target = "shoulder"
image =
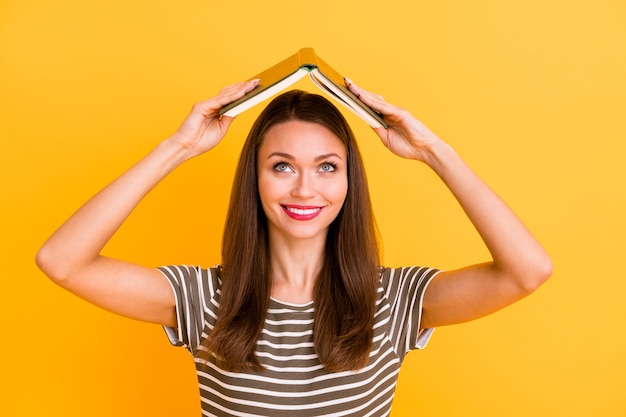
{"points": [[193, 278], [388, 274], [403, 280]]}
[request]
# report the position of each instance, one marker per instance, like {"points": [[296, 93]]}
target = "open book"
{"points": [[292, 69]]}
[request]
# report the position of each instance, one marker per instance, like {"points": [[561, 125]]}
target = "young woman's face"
{"points": [[303, 179]]}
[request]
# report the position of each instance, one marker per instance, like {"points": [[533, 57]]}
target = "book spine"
{"points": [[307, 58]]}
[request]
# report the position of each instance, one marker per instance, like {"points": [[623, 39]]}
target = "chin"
{"points": [[302, 234]]}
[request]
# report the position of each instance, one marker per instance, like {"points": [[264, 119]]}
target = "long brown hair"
{"points": [[345, 291]]}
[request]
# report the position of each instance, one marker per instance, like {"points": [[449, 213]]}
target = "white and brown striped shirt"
{"points": [[294, 383]]}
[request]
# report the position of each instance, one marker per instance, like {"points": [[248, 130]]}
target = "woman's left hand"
{"points": [[519, 264], [405, 136]]}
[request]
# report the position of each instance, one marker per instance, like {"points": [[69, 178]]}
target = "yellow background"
{"points": [[532, 94]]}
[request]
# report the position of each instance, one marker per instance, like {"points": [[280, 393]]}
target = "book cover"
{"points": [[305, 62]]}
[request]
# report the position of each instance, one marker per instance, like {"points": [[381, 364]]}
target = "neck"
{"points": [[295, 268]]}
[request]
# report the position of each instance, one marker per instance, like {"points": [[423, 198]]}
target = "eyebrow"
{"points": [[291, 157]]}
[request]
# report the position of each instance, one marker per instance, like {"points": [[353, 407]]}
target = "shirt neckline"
{"points": [[297, 306]]}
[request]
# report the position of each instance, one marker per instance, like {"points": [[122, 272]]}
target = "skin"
{"points": [[303, 183], [519, 264], [72, 258]]}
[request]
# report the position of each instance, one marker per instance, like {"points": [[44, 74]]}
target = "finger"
{"points": [[226, 95], [361, 91], [236, 91], [375, 101], [355, 89], [225, 122]]}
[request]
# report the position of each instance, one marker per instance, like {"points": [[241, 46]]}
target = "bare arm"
{"points": [[71, 256], [519, 264]]}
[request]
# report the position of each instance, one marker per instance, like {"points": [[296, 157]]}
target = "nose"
{"points": [[304, 186]]}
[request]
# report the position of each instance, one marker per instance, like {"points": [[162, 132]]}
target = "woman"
{"points": [[299, 319]]}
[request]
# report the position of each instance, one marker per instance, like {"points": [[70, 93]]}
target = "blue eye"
{"points": [[328, 167], [282, 167]]}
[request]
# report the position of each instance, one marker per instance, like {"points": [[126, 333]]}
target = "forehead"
{"points": [[301, 139]]}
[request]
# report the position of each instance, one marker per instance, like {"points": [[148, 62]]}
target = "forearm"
{"points": [[82, 237], [519, 264], [514, 250]]}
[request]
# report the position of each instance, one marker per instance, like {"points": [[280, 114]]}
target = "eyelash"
{"points": [[332, 165], [279, 164]]}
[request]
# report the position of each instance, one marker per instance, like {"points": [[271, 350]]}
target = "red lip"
{"points": [[302, 213]]}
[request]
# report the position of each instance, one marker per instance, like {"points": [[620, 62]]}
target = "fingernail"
{"points": [[255, 81], [348, 81]]}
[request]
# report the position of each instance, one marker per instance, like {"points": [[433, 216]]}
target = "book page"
{"points": [[261, 93], [347, 99]]}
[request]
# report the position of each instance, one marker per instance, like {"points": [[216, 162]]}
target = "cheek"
{"points": [[265, 191], [271, 190], [337, 191]]}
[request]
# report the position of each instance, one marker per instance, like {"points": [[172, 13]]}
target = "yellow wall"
{"points": [[532, 94]]}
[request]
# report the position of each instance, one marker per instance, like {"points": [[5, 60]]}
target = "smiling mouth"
{"points": [[302, 213]]}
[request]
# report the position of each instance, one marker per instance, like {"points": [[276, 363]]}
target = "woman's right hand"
{"points": [[72, 258], [203, 129]]}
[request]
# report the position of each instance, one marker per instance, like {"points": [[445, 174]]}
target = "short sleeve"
{"points": [[404, 290], [194, 289]]}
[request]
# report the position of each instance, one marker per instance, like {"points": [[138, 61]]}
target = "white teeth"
{"points": [[302, 212]]}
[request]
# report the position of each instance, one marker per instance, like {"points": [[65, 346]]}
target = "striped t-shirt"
{"points": [[293, 381]]}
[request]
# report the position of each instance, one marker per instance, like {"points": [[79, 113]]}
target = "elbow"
{"points": [[537, 274], [49, 263]]}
